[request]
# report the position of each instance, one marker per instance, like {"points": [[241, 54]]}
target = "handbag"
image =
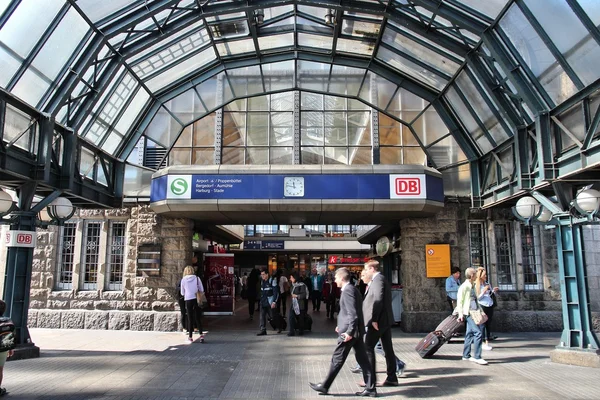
{"points": [[296, 306], [478, 316], [201, 298]]}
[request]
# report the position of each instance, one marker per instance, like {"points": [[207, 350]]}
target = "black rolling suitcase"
{"points": [[449, 326], [278, 322], [307, 322], [430, 344]]}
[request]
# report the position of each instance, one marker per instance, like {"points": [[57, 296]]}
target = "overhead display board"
{"points": [[312, 187]]}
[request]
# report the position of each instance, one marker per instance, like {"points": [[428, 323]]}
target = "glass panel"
{"points": [[478, 244], [389, 131], [278, 76], [457, 181], [419, 52], [204, 131], [346, 80], [491, 8], [504, 257], [311, 132], [336, 155], [282, 101], [359, 128], [258, 156], [573, 40], [61, 44], [429, 127], [313, 76], [164, 128], [245, 81], [318, 41], [203, 157], [446, 152], [467, 119], [390, 155], [27, 24], [536, 55], [8, 66], [180, 157], [532, 260], [275, 41], [66, 256], [311, 155], [186, 107], [116, 255], [17, 126], [229, 29], [414, 155], [232, 156], [237, 47], [97, 10], [137, 181], [180, 70], [91, 252], [592, 9], [171, 54], [208, 91], [234, 129], [311, 101], [282, 155], [31, 87], [335, 129], [355, 46], [258, 127], [360, 156], [133, 110], [282, 131], [408, 67]]}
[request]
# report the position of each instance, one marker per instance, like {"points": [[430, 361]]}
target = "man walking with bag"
{"points": [[350, 327], [269, 293], [377, 309]]}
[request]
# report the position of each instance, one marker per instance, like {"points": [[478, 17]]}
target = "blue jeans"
{"points": [[472, 336]]}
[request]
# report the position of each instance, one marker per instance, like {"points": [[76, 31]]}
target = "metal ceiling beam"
{"points": [[461, 19]]}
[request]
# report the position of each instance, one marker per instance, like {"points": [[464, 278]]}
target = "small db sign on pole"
{"points": [[20, 239]]}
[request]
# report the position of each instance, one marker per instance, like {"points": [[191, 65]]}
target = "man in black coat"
{"points": [[351, 328], [377, 310]]}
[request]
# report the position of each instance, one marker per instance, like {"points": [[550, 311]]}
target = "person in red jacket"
{"points": [[330, 294]]}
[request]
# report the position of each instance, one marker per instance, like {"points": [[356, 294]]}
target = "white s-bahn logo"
{"points": [[179, 186]]}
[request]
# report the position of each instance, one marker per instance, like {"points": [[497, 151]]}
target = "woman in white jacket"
{"points": [[190, 285]]}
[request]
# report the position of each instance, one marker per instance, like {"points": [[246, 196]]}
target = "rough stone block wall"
{"points": [[424, 299], [144, 303]]}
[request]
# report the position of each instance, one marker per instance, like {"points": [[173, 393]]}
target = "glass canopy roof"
{"points": [[118, 71]]}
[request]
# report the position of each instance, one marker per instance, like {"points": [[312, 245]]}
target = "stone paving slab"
{"points": [[111, 365]]}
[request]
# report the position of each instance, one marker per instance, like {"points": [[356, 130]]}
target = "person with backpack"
{"points": [[269, 294], [7, 342]]}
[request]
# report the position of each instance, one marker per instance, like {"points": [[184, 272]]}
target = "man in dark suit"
{"points": [[377, 310], [351, 328]]}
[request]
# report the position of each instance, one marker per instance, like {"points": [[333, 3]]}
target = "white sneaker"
{"points": [[486, 347], [479, 361], [467, 359]]}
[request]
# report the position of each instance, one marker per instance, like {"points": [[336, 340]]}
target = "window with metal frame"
{"points": [[532, 260], [478, 244], [90, 254], [115, 259], [505, 268], [66, 256]]}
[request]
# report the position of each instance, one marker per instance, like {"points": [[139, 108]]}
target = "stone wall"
{"points": [[424, 299], [144, 302]]}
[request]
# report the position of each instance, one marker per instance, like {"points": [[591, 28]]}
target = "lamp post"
{"points": [[21, 240], [578, 343]]}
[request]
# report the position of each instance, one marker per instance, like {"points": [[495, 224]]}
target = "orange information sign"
{"points": [[437, 260]]}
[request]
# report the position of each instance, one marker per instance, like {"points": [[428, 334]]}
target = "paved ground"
{"points": [[236, 364]]}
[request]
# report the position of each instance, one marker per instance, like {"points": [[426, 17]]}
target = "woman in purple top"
{"points": [[190, 285]]}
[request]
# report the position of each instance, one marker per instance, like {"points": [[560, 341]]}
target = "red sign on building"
{"points": [[408, 186]]}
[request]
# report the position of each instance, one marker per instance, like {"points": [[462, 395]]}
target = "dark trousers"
{"points": [[251, 302], [282, 304], [316, 299], [487, 327], [266, 314], [296, 321], [193, 316], [371, 338], [330, 306], [182, 311], [339, 357]]}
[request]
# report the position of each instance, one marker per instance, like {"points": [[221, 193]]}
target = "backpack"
{"points": [[7, 334]]}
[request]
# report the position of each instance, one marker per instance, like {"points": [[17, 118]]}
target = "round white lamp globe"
{"points": [[588, 200], [527, 207], [545, 216], [61, 207], [6, 201]]}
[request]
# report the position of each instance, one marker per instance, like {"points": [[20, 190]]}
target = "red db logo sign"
{"points": [[20, 239], [24, 238], [408, 186]]}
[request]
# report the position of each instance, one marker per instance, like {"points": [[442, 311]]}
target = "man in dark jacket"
{"points": [[269, 294], [377, 309], [351, 328]]}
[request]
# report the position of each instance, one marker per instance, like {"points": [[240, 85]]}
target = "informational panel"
{"points": [[318, 186], [437, 260], [219, 284]]}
